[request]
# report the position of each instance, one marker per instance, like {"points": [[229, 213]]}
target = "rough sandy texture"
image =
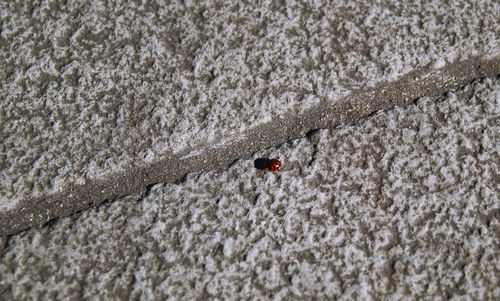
{"points": [[90, 89], [404, 203]]}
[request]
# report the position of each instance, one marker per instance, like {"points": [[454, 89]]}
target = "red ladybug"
{"points": [[273, 165]]}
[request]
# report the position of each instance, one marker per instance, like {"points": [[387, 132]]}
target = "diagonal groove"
{"points": [[173, 168]]}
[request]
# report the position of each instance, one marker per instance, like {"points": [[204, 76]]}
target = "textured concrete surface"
{"points": [[94, 95], [160, 109], [403, 204]]}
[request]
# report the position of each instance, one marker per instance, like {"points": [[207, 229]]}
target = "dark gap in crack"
{"points": [[147, 191], [311, 133], [182, 179]]}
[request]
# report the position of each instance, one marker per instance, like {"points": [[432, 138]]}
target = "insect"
{"points": [[273, 165], [267, 164]]}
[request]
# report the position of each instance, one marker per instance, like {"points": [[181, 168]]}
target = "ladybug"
{"points": [[273, 165]]}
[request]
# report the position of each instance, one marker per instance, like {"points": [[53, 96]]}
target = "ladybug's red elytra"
{"points": [[273, 165]]}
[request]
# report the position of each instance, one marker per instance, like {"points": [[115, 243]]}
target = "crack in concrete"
{"points": [[135, 183]]}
